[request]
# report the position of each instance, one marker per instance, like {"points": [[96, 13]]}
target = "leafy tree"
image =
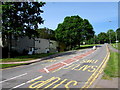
{"points": [[87, 30], [20, 19], [69, 31], [46, 33], [118, 34], [111, 35], [73, 30], [102, 38], [93, 40]]}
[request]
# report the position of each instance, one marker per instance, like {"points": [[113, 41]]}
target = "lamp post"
{"points": [[109, 35], [116, 39], [115, 36]]}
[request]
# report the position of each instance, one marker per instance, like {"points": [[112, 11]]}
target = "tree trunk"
{"points": [[9, 45]]}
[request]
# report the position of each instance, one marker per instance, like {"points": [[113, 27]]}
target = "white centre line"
{"points": [[13, 77], [18, 86]]}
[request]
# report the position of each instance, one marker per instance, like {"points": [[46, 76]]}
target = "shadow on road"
{"points": [[60, 55]]}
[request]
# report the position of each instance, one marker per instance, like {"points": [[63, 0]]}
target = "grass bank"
{"points": [[25, 58], [2, 66], [88, 46], [22, 58], [111, 70]]}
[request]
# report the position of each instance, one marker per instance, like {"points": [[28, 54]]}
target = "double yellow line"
{"points": [[98, 71]]}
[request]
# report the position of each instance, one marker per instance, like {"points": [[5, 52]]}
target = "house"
{"points": [[36, 45], [0, 39]]}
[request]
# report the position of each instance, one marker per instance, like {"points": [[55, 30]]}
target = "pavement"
{"points": [[76, 69], [113, 49], [113, 83]]}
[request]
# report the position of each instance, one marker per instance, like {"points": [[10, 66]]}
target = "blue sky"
{"points": [[98, 13]]}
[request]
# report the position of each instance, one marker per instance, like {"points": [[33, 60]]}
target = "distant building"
{"points": [[1, 46]]}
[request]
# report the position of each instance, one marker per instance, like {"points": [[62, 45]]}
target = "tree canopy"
{"points": [[74, 30], [118, 34], [103, 37], [46, 33], [111, 34], [21, 18]]}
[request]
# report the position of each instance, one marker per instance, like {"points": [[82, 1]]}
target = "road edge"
{"points": [[97, 73]]}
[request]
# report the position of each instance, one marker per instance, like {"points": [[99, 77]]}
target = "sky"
{"points": [[102, 15]]}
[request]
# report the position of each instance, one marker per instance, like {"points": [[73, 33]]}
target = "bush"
{"points": [[75, 48], [25, 52], [14, 53]]}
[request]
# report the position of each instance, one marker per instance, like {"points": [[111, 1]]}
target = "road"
{"points": [[74, 69]]}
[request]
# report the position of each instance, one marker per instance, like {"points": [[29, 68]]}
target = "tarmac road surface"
{"points": [[75, 69]]}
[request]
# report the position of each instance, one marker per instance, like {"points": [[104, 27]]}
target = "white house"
{"points": [[0, 39]]}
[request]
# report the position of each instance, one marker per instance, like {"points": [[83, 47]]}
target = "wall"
{"points": [[41, 45]]}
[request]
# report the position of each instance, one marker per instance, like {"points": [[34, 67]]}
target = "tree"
{"points": [[103, 37], [69, 31], [118, 34], [87, 30], [111, 35], [93, 40], [20, 19], [46, 33], [73, 30]]}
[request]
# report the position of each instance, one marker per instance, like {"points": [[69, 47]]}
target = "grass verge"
{"points": [[111, 70], [2, 66], [88, 46], [25, 58]]}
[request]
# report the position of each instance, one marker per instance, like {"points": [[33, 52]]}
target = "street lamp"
{"points": [[116, 39], [109, 35], [115, 35]]}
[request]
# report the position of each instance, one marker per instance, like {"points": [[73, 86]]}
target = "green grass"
{"points": [[111, 70], [2, 66], [87, 46], [25, 58], [116, 46]]}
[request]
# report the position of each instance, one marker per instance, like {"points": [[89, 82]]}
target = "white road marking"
{"points": [[18, 86], [13, 77], [46, 70], [33, 79], [65, 66], [26, 82], [64, 63]]}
